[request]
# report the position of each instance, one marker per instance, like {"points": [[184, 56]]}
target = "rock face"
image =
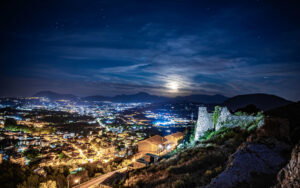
{"points": [[289, 176], [250, 162], [204, 122], [224, 115]]}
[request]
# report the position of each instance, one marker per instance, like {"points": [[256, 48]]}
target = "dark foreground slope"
{"points": [[191, 167], [291, 113]]}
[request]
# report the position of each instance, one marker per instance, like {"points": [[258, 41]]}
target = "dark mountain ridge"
{"points": [[260, 100], [138, 97], [206, 99], [56, 96]]}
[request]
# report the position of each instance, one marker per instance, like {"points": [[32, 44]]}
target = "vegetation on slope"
{"points": [[192, 166], [194, 163]]}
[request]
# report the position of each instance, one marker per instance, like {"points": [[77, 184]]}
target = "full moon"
{"points": [[173, 86]]}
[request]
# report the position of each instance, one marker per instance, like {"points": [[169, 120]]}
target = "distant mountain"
{"points": [[206, 99], [145, 97], [260, 100], [139, 97], [96, 98], [56, 96]]}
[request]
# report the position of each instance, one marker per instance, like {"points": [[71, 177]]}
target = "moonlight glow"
{"points": [[173, 86]]}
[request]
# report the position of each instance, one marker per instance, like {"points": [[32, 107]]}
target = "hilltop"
{"points": [[232, 157], [260, 100]]}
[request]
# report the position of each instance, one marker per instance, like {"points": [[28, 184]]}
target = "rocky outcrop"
{"points": [[257, 161], [251, 161], [289, 176]]}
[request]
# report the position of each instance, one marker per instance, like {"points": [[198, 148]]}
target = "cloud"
{"points": [[185, 59], [122, 69], [211, 49]]}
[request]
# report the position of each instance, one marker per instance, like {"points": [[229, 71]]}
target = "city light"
{"points": [[106, 132]]}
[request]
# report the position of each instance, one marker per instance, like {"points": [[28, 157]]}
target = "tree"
{"points": [[61, 155], [32, 154], [32, 181], [10, 121]]}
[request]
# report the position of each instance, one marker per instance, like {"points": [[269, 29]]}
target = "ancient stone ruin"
{"points": [[204, 122], [224, 119], [224, 115]]}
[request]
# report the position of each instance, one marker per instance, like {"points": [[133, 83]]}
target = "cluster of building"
{"points": [[105, 133], [99, 146], [64, 148], [151, 148]]}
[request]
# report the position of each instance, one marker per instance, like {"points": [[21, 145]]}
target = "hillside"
{"points": [[55, 96], [233, 157], [290, 112], [260, 100]]}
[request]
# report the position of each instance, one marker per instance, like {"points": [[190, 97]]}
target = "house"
{"points": [[154, 144], [108, 150], [145, 161], [18, 160], [173, 139]]}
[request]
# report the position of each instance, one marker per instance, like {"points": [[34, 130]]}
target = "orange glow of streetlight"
{"points": [[76, 181]]}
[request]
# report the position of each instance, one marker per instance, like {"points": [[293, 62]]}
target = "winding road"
{"points": [[98, 180]]}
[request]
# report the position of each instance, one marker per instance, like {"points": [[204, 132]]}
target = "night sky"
{"points": [[170, 48]]}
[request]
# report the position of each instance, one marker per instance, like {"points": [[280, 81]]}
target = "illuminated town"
{"points": [[63, 133]]}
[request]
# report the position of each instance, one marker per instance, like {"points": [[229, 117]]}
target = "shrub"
{"points": [[140, 183], [218, 169], [171, 169], [178, 184], [208, 173]]}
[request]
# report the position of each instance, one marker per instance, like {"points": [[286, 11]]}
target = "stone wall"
{"points": [[225, 119]]}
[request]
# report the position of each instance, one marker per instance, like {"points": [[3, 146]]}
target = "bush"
{"points": [[208, 173], [171, 169], [218, 169], [185, 182], [178, 184]]}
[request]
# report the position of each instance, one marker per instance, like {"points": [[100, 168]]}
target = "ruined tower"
{"points": [[204, 123], [223, 116]]}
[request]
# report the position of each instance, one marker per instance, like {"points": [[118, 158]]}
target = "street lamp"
{"points": [[77, 181]]}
